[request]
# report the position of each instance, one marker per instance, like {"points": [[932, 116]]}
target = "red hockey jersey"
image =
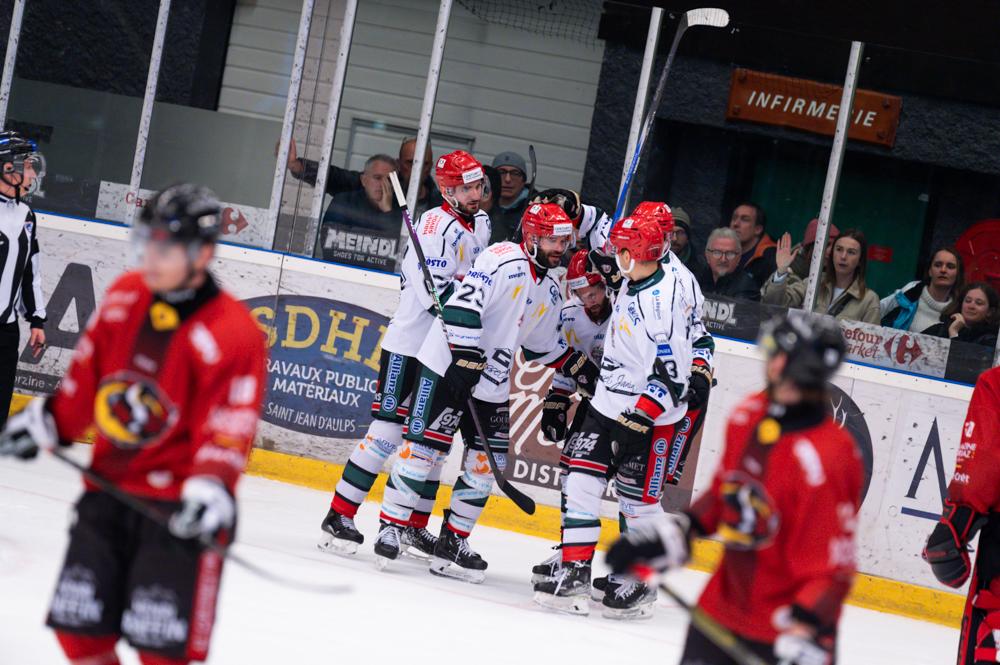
{"points": [[976, 482], [784, 501], [172, 391]]}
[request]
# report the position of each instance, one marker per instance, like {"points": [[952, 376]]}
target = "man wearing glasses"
{"points": [[723, 276], [514, 195]]}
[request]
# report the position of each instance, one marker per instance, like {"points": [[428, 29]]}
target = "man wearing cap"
{"points": [[800, 264], [680, 243], [514, 195]]}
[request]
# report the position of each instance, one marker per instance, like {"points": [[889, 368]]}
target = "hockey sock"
{"points": [[87, 650], [582, 525], [364, 465], [472, 490], [406, 479], [637, 516], [428, 494]]}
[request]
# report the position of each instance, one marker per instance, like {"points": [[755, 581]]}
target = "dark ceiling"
{"points": [[915, 46]]}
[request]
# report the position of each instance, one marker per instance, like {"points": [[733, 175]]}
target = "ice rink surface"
{"points": [[402, 615]]}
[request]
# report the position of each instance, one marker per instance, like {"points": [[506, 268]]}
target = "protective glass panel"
{"points": [[77, 90], [919, 182], [223, 129]]}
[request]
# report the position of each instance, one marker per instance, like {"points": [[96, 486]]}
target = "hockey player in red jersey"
{"points": [[973, 504], [783, 501], [170, 374]]}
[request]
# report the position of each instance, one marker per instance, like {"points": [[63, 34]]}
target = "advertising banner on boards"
{"points": [[324, 327]]}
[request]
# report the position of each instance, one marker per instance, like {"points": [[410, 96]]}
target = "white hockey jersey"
{"points": [[658, 318], [503, 304], [450, 247], [581, 334]]}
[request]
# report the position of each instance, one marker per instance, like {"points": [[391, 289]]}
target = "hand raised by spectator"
{"points": [[784, 255], [294, 165], [957, 323], [385, 200]]}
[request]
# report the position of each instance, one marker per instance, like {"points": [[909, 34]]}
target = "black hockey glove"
{"points": [[462, 375], [554, 415], [581, 369], [607, 267], [633, 432], [206, 508], [27, 432], [661, 548], [699, 386], [946, 548]]}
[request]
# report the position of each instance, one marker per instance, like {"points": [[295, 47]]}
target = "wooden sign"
{"points": [[772, 99]]}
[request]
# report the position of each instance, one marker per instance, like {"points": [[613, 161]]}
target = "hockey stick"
{"points": [[157, 516], [534, 169], [520, 499], [716, 18], [719, 635]]}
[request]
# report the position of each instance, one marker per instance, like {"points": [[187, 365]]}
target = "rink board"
{"points": [[325, 324]]}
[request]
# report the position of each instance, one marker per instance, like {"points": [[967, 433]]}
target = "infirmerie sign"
{"points": [[811, 106]]}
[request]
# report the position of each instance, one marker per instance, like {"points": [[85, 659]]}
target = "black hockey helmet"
{"points": [[18, 150], [814, 346], [183, 213]]}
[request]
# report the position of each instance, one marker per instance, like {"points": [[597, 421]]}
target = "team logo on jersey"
{"points": [[750, 519], [163, 317], [132, 411]]}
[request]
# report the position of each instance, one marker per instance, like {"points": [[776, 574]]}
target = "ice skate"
{"points": [[387, 545], [627, 599], [417, 543], [454, 558], [340, 536], [568, 590]]}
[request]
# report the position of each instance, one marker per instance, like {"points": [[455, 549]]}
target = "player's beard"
{"points": [[548, 259], [598, 313]]}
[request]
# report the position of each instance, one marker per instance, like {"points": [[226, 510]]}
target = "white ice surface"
{"points": [[403, 615]]}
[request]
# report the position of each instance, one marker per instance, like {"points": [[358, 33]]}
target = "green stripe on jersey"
{"points": [[459, 316]]}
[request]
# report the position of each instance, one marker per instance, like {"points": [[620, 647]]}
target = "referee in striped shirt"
{"points": [[20, 277]]}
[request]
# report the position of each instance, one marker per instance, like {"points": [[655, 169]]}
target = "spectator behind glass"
{"points": [[800, 264], [340, 180], [681, 243], [722, 276], [920, 304], [842, 290], [372, 208], [514, 195], [749, 221], [973, 317], [491, 190]]}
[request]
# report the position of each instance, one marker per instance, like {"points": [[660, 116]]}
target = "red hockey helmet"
{"points": [[545, 220], [577, 274], [457, 168], [658, 211], [641, 236]]}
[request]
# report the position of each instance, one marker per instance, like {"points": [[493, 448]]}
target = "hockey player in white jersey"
{"points": [[507, 302], [649, 369], [451, 236], [592, 227], [583, 323]]}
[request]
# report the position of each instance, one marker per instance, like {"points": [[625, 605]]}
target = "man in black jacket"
{"points": [[340, 180], [722, 276]]}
